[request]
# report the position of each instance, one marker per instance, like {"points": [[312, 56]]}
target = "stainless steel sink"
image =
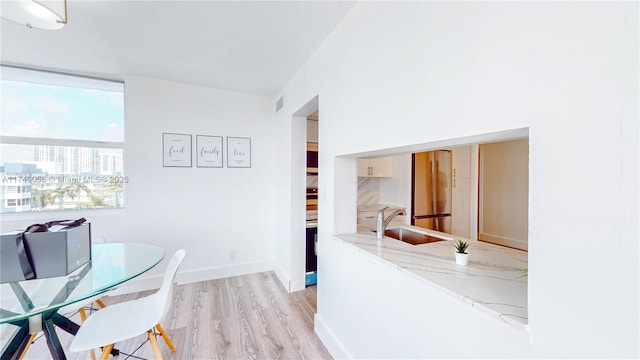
{"points": [[411, 237]]}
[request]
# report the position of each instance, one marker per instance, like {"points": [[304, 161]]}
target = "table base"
{"points": [[20, 338]]}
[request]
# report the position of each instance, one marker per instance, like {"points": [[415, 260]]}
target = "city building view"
{"points": [[63, 178]]}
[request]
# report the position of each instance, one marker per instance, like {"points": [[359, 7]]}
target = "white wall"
{"points": [[208, 211], [403, 74], [396, 190]]}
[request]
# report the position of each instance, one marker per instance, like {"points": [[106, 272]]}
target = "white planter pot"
{"points": [[462, 259]]}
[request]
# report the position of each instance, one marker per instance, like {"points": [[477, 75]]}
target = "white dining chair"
{"points": [[129, 319]]}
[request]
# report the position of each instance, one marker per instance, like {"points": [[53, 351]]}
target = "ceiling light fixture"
{"points": [[39, 14]]}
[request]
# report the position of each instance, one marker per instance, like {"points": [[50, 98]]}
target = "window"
{"points": [[62, 142]]}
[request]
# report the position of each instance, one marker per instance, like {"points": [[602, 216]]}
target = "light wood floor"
{"points": [[243, 317]]}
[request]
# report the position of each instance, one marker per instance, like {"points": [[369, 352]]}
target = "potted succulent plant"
{"points": [[462, 258]]}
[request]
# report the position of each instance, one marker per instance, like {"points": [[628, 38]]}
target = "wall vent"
{"points": [[280, 103]]}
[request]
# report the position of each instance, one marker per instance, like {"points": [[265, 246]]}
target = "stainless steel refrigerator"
{"points": [[431, 185]]}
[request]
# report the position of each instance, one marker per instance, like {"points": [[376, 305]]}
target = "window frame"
{"points": [[20, 140]]}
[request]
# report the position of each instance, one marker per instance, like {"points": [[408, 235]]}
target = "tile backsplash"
{"points": [[368, 191], [312, 181]]}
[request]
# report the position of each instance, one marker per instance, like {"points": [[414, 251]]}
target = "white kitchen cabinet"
{"points": [[367, 218], [367, 215], [376, 167]]}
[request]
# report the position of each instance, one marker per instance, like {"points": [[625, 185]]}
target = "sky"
{"points": [[48, 111]]}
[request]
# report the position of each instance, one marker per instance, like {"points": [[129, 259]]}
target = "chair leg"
{"points": [[154, 344], [83, 317], [165, 337], [106, 351], [83, 314], [24, 352]]}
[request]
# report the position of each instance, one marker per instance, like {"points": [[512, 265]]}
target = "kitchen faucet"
{"points": [[382, 222]]}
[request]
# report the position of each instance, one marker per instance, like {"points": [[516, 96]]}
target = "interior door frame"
{"points": [[298, 179]]}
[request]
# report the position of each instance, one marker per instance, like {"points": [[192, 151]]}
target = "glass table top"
{"points": [[111, 265]]}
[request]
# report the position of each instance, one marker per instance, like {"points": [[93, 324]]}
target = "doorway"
{"points": [[311, 239], [296, 242], [503, 196]]}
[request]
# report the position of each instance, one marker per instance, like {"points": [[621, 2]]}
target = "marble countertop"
{"points": [[492, 282]]}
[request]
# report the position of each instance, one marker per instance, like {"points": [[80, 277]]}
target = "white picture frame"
{"points": [[209, 151], [176, 150], [238, 152]]}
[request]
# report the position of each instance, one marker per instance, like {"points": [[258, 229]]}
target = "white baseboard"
{"points": [[222, 272], [330, 341], [186, 277], [283, 276], [138, 284]]}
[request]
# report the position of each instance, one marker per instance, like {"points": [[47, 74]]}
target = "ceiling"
{"points": [[248, 46]]}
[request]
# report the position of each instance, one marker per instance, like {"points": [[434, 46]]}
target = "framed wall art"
{"points": [[238, 152], [209, 151], [176, 150]]}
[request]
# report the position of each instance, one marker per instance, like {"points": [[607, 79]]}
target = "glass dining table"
{"points": [[38, 301]]}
